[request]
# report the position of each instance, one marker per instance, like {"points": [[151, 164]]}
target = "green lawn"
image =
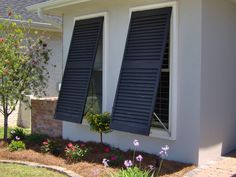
{"points": [[27, 131], [13, 170]]}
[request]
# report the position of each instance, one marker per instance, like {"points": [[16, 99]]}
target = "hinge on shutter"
{"points": [[162, 124]]}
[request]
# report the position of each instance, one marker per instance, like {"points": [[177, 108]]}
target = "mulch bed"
{"points": [[92, 164]]}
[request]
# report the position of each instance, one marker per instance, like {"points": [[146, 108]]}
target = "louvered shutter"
{"points": [[78, 70], [140, 72]]}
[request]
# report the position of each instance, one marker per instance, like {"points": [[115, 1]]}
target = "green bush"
{"points": [[131, 172], [17, 134], [16, 146], [75, 153], [99, 122], [35, 138]]}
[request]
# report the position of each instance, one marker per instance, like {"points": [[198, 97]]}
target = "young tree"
{"points": [[23, 59]]}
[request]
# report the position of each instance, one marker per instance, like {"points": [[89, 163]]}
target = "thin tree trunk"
{"points": [[5, 126], [101, 137]]}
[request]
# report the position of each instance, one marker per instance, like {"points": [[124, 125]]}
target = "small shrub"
{"points": [[99, 123], [75, 153], [35, 138], [17, 134], [131, 172], [50, 146], [115, 158], [16, 146]]}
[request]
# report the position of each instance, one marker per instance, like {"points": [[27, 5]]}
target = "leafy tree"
{"points": [[99, 123], [23, 59]]}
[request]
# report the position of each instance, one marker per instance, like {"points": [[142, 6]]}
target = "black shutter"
{"points": [[78, 70], [140, 72]]}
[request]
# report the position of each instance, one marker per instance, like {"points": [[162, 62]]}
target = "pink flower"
{"points": [[70, 145], [107, 150], [128, 163], [113, 158], [139, 158], [163, 153], [17, 138], [45, 142], [2, 39]]}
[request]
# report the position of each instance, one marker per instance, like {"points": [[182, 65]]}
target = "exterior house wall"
{"points": [[22, 116], [185, 147], [218, 84]]}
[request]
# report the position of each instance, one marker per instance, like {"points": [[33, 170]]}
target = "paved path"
{"points": [[222, 167]]}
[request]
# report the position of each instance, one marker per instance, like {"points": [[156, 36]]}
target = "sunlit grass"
{"points": [[14, 170]]}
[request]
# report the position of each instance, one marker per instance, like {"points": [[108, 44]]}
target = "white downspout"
{"points": [[46, 19]]}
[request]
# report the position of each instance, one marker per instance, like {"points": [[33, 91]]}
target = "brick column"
{"points": [[42, 113]]}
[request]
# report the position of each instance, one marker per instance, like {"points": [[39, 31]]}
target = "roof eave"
{"points": [[53, 4], [37, 25]]}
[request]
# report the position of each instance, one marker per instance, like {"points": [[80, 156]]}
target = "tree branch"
{"points": [[14, 107]]}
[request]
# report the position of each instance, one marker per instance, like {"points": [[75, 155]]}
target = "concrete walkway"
{"points": [[222, 167]]}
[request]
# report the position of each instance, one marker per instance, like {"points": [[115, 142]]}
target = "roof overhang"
{"points": [[37, 25], [53, 4], [56, 4]]}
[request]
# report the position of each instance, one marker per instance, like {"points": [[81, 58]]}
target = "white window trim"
{"points": [[104, 57], [155, 132]]}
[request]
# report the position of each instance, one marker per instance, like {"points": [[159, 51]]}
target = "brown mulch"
{"points": [[92, 165]]}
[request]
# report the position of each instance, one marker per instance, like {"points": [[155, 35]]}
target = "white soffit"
{"points": [[53, 4]]}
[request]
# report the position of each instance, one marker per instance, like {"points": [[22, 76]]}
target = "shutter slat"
{"points": [[78, 70], [141, 69]]}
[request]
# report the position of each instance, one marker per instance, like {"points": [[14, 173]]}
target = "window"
{"points": [[81, 71], [141, 71], [94, 98], [161, 111]]}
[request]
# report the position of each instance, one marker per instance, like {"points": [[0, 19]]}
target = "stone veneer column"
{"points": [[42, 113]]}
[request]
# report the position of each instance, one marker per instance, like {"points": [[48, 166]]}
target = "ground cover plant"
{"points": [[16, 145]]}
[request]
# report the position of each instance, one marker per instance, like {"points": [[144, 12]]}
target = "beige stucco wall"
{"points": [[185, 147], [22, 116], [218, 82]]}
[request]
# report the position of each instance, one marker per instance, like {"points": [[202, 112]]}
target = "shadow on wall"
{"points": [[24, 116]]}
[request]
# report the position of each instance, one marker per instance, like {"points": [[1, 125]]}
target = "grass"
{"points": [[11, 170], [27, 131]]}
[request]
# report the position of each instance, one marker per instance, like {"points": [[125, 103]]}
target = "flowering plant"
{"points": [[24, 58], [99, 123], [50, 146], [75, 153], [114, 157], [133, 170], [17, 134]]}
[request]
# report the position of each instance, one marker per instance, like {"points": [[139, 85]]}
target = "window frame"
{"points": [[104, 55], [173, 69]]}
